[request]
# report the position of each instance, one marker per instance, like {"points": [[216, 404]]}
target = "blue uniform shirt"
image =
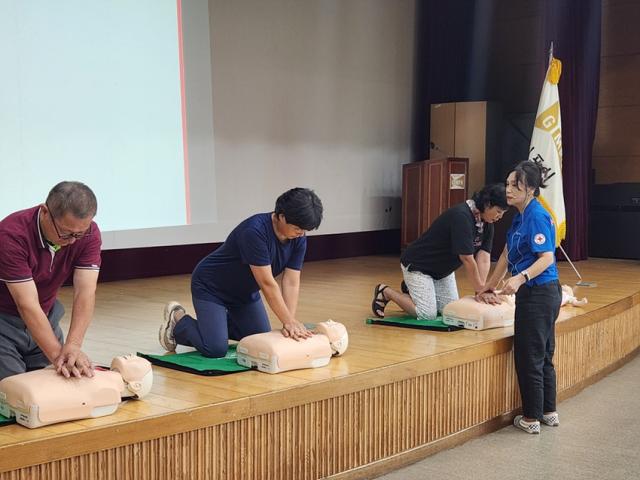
{"points": [[224, 276], [531, 232]]}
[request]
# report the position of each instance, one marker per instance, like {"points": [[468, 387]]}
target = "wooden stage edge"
{"points": [[358, 425], [416, 454]]}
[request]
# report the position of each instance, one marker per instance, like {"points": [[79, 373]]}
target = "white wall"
{"points": [[313, 93], [90, 90]]}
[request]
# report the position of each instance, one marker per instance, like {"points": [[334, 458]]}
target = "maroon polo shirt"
{"points": [[25, 255]]}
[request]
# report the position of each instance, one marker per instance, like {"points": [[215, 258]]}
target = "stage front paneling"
{"points": [[396, 396]]}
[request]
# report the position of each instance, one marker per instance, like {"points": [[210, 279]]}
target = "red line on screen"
{"points": [[183, 102]]}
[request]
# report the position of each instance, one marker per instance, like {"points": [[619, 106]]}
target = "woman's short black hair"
{"points": [[301, 207], [492, 195], [532, 174]]}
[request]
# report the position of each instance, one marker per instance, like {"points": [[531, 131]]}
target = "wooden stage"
{"points": [[396, 396]]}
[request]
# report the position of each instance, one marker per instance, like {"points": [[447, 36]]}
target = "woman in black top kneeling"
{"points": [[462, 235]]}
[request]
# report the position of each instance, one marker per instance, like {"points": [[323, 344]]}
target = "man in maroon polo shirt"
{"points": [[39, 249]]}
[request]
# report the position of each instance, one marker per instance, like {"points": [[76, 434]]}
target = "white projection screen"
{"points": [[94, 90]]}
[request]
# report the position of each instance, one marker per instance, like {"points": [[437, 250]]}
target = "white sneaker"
{"points": [[165, 334], [552, 419], [529, 427]]}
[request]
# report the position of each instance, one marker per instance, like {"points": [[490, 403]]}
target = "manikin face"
{"points": [[492, 214]]}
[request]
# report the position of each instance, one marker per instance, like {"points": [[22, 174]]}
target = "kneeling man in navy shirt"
{"points": [[226, 284]]}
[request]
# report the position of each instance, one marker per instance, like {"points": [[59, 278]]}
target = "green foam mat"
{"points": [[195, 362], [6, 421], [412, 322]]}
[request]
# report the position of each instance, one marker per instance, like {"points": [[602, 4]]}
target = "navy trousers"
{"points": [[216, 324]]}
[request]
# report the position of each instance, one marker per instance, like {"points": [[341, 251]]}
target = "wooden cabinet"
{"points": [[430, 187], [472, 130]]}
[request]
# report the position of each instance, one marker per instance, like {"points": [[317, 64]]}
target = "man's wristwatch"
{"points": [[526, 276]]}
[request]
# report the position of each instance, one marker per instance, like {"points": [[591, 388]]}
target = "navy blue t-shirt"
{"points": [[224, 276], [532, 232]]}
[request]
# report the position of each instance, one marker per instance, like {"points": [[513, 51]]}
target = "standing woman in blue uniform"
{"points": [[529, 256], [226, 284]]}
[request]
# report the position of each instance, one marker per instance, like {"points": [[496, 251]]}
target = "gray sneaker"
{"points": [[552, 419], [165, 334], [529, 427]]}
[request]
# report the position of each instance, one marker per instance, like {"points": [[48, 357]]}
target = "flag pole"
{"points": [[580, 282]]}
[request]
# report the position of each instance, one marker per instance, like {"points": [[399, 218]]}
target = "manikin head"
{"points": [[136, 373], [337, 335]]}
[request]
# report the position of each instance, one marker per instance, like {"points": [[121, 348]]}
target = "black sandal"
{"points": [[379, 301]]}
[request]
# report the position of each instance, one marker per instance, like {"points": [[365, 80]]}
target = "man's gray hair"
{"points": [[74, 198]]}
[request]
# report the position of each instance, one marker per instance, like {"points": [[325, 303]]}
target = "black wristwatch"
{"points": [[526, 276]]}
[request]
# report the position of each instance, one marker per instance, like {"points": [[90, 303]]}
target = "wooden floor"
{"points": [[127, 318]]}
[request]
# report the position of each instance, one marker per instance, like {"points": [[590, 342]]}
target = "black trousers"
{"points": [[537, 309]]}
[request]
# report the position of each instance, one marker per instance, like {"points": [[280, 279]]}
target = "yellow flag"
{"points": [[546, 145]]}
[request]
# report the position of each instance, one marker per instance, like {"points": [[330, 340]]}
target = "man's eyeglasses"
{"points": [[68, 236]]}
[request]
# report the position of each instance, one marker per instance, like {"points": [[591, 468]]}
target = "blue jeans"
{"points": [[216, 324]]}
